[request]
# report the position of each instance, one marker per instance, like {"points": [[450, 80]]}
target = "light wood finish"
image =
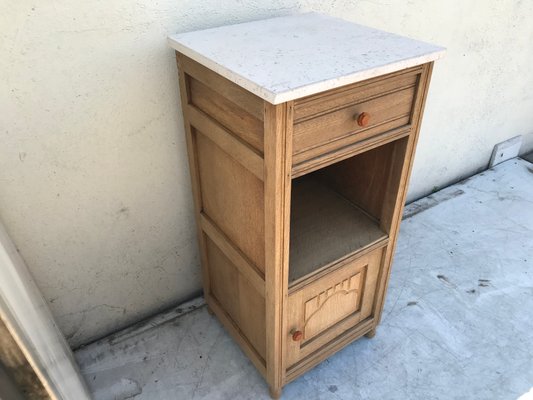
{"points": [[193, 169], [325, 227], [331, 100], [371, 333], [237, 334], [298, 207], [227, 190], [348, 151], [389, 112], [278, 150], [328, 349], [326, 307], [275, 393], [240, 300], [395, 199], [363, 179], [227, 114], [239, 260], [234, 93], [393, 183], [330, 121], [230, 144]]}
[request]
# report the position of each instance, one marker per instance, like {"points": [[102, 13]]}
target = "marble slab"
{"points": [[286, 58]]}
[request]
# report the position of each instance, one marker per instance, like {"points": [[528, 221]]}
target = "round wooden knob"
{"points": [[363, 119], [297, 335]]}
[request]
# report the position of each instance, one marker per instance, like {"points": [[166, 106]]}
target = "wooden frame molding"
{"points": [[278, 161], [231, 251], [232, 145], [238, 95], [237, 334]]}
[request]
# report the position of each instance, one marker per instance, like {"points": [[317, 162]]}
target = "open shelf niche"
{"points": [[338, 211]]}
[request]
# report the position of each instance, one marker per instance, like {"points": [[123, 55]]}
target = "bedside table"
{"points": [[301, 133]]}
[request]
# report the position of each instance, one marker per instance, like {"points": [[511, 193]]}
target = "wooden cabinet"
{"points": [[299, 182], [331, 305]]}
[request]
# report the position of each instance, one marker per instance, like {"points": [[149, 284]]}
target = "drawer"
{"points": [[332, 120], [325, 308]]}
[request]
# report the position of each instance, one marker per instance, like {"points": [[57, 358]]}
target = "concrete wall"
{"points": [[94, 186]]}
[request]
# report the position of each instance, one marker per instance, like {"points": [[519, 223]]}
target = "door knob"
{"points": [[297, 335], [363, 119]]}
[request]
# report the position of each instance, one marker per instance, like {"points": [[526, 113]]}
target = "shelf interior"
{"points": [[325, 227]]}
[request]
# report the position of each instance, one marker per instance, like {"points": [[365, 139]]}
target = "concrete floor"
{"points": [[458, 320], [528, 157]]}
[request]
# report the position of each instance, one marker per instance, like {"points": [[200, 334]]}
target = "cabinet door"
{"points": [[328, 306]]}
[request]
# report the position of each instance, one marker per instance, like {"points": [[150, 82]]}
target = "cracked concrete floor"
{"points": [[458, 320]]}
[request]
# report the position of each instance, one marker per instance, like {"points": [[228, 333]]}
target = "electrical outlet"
{"points": [[505, 150]]}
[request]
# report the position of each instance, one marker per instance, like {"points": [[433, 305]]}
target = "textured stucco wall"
{"points": [[94, 186]]}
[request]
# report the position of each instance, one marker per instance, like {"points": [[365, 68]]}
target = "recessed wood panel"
{"points": [[237, 296], [227, 113], [232, 197], [332, 304], [246, 100], [224, 280]]}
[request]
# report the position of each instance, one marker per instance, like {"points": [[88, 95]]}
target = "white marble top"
{"points": [[285, 58]]}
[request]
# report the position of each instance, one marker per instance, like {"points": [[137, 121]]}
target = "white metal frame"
{"points": [[30, 322]]}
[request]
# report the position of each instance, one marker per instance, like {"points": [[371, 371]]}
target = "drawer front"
{"points": [[325, 308], [333, 119]]}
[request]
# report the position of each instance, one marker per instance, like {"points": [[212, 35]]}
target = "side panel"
{"points": [[232, 198], [394, 199], [224, 130], [228, 114], [227, 103], [237, 296]]}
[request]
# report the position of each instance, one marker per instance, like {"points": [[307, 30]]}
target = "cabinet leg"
{"points": [[371, 334], [275, 393], [209, 310]]}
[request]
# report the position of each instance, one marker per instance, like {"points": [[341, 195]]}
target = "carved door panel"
{"points": [[329, 306]]}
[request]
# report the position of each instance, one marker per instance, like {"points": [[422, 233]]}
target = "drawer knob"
{"points": [[363, 119], [297, 335]]}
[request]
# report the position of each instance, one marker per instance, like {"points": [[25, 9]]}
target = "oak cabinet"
{"points": [[300, 147]]}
